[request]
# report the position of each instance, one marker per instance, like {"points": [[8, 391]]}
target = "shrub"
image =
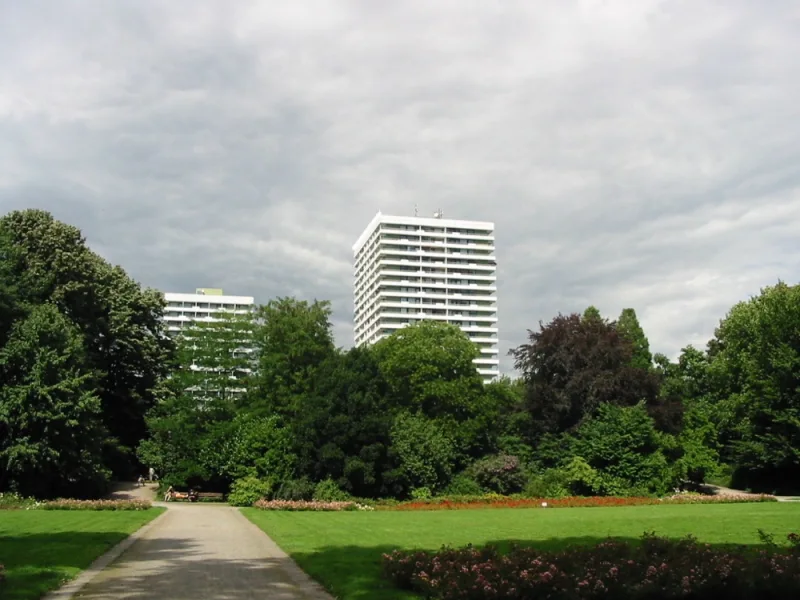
{"points": [[12, 501], [655, 569], [501, 473], [424, 452], [328, 491], [245, 491], [463, 485], [295, 489], [421, 493], [2, 573], [552, 483]]}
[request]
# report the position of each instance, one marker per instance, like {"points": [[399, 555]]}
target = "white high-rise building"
{"points": [[183, 309], [409, 269]]}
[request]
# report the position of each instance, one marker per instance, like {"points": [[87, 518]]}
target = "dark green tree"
{"points": [[628, 325], [121, 323], [342, 428], [292, 339], [50, 420]]}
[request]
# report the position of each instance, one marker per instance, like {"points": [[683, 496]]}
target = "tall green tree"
{"points": [[755, 370], [120, 323], [628, 325], [215, 357], [292, 339], [342, 428], [50, 420], [428, 367], [592, 313]]}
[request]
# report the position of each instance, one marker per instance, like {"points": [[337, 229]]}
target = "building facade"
{"points": [[184, 309], [409, 269]]}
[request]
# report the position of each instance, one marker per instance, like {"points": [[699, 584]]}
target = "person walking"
{"points": [[140, 481]]}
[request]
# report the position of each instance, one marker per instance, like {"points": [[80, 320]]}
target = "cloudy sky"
{"points": [[642, 154]]}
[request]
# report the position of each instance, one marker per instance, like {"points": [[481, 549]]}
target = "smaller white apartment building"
{"points": [[183, 309]]}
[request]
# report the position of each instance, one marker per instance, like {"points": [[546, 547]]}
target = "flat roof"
{"points": [[422, 221], [180, 297]]}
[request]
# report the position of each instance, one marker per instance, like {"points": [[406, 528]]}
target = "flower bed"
{"points": [[69, 504], [655, 569], [571, 502], [298, 505]]}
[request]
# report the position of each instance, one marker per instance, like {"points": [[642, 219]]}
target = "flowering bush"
{"points": [[298, 505], [655, 569], [467, 502], [11, 501], [501, 473], [69, 504]]}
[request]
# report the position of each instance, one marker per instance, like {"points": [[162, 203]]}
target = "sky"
{"points": [[632, 154]]}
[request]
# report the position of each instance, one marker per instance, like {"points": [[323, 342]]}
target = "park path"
{"points": [[203, 551]]}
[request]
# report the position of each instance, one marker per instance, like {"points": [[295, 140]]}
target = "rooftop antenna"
{"points": [[438, 214], [416, 212]]}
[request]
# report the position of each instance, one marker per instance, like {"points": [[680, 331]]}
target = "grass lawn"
{"points": [[41, 549], [342, 550]]}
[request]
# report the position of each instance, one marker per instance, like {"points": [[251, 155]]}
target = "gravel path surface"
{"points": [[203, 551]]}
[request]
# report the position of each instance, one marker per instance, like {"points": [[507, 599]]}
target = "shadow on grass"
{"points": [[354, 572]]}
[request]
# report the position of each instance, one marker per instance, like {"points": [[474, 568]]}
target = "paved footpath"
{"points": [[202, 551]]}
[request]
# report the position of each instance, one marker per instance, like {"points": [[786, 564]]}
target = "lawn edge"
{"points": [[72, 587], [310, 586]]}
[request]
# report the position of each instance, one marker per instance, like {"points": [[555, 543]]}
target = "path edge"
{"points": [[72, 587], [308, 586]]}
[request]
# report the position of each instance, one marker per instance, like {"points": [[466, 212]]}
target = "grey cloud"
{"points": [[631, 154]]}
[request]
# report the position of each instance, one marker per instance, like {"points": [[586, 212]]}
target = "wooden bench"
{"points": [[210, 496]]}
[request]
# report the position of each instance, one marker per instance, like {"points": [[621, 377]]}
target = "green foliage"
{"points": [[328, 491], [424, 453], [428, 368], [50, 419], [212, 361], [463, 485], [119, 322], [628, 325], [295, 489], [246, 491], [342, 428], [500, 473], [755, 370], [623, 448], [293, 338], [421, 493], [552, 483]]}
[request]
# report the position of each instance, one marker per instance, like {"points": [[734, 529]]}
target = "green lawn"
{"points": [[342, 550], [41, 549]]}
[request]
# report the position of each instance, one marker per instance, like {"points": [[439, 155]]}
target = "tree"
{"points": [[292, 338], [428, 367], [573, 365], [622, 445], [424, 453], [592, 314], [628, 326], [50, 420], [342, 428], [214, 357], [755, 370], [120, 323]]}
